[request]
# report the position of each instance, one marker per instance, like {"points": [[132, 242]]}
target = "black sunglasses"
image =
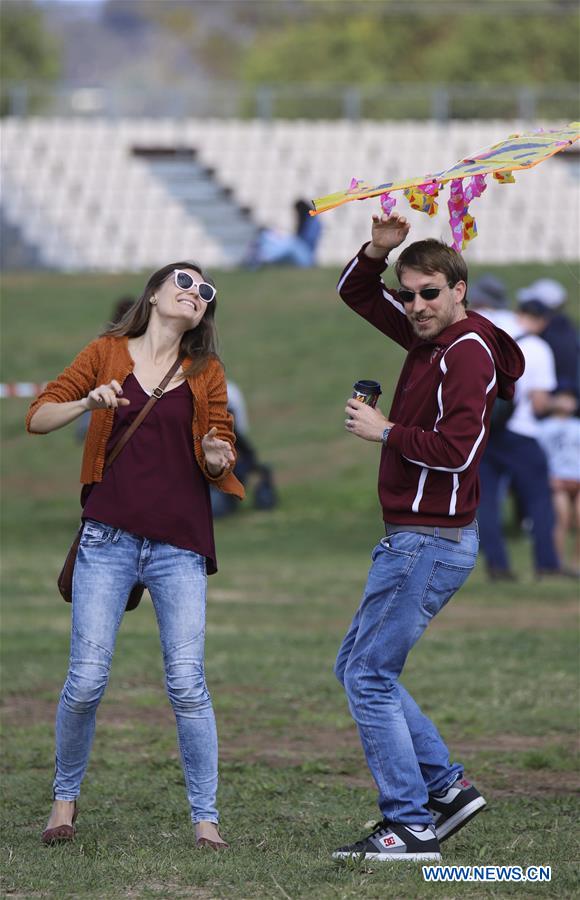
{"points": [[183, 280], [408, 296]]}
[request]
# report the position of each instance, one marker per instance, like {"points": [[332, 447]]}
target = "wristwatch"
{"points": [[386, 434]]}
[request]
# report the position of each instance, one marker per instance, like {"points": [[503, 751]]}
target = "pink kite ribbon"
{"points": [[475, 188], [430, 187], [456, 205], [388, 203], [463, 227]]}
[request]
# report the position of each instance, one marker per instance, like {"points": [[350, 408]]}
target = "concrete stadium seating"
{"points": [[80, 198]]}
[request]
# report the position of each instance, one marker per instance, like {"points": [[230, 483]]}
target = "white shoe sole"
{"points": [[385, 857], [461, 818]]}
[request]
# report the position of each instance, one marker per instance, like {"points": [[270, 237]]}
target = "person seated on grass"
{"points": [[272, 247], [146, 520], [431, 445]]}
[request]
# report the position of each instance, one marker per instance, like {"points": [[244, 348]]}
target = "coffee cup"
{"points": [[367, 392]]}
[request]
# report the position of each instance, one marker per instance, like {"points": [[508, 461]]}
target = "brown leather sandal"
{"points": [[204, 841], [214, 845], [62, 833]]}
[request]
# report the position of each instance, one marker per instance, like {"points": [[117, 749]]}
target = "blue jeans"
{"points": [[411, 578], [109, 562], [521, 460]]}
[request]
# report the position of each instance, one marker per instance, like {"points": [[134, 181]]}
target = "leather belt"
{"points": [[451, 534]]}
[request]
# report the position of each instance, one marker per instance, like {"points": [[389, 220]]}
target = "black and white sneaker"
{"points": [[455, 807], [393, 841]]}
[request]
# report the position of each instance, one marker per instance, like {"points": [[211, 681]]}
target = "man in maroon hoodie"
{"points": [[457, 363]]}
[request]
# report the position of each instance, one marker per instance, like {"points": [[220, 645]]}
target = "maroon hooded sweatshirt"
{"points": [[442, 405]]}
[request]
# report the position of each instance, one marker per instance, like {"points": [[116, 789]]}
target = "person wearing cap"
{"points": [[432, 441], [488, 297], [545, 300]]}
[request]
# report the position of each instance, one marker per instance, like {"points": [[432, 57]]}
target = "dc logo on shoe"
{"points": [[388, 841]]}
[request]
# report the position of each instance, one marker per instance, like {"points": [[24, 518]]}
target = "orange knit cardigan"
{"points": [[108, 357]]}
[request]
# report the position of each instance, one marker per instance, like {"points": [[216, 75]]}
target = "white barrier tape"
{"points": [[21, 389]]}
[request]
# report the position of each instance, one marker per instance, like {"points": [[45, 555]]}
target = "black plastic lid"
{"points": [[367, 387]]}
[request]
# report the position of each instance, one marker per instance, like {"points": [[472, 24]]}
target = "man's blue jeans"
{"points": [[109, 562], [411, 578]]}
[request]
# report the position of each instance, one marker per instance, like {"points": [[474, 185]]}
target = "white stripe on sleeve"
{"points": [[346, 274], [398, 306]]}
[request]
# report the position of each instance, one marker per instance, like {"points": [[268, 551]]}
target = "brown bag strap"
{"points": [[155, 396]]}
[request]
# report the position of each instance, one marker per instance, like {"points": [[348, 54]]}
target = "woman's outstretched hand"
{"points": [[106, 396], [218, 454]]}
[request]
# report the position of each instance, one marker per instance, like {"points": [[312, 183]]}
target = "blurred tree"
{"points": [[441, 42], [206, 28], [29, 56]]}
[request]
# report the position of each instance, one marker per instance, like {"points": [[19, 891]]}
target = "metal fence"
{"points": [[306, 101]]}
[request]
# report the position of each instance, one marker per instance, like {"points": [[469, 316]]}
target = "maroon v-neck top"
{"points": [[155, 488]]}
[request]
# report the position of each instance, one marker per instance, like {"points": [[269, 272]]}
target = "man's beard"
{"points": [[434, 325]]}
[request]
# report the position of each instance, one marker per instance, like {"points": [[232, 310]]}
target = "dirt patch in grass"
{"points": [[515, 743], [507, 782], [335, 745], [457, 615], [263, 746], [41, 487], [165, 890], [510, 782], [528, 616], [333, 755], [233, 595]]}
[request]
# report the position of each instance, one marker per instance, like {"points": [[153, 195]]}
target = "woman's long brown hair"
{"points": [[199, 343]]}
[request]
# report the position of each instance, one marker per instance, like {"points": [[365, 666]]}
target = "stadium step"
{"points": [[206, 201]]}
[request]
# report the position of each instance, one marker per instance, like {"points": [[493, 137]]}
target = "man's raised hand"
{"points": [[387, 232]]}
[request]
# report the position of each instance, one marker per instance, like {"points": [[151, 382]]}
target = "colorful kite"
{"points": [[467, 177]]}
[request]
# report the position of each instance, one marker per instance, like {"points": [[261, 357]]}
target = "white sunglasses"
{"points": [[185, 282]]}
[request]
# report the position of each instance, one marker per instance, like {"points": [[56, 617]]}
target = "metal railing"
{"points": [[439, 102]]}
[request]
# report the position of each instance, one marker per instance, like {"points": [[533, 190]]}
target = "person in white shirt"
{"points": [[531, 397], [514, 453]]}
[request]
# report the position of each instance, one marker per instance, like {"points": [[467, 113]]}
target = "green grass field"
{"points": [[497, 670]]}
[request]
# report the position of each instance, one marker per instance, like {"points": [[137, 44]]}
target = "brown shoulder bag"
{"points": [[65, 579]]}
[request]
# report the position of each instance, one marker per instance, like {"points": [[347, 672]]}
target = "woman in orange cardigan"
{"points": [[147, 520]]}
